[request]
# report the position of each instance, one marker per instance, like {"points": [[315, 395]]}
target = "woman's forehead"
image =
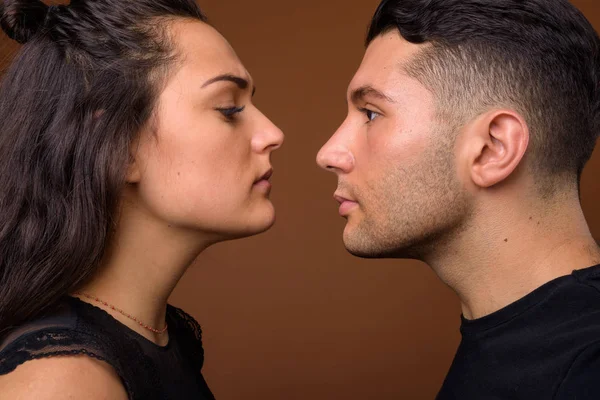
{"points": [[203, 50]]}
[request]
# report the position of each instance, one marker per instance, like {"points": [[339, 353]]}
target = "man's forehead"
{"points": [[384, 61]]}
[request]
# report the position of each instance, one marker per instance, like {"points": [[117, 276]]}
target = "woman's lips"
{"points": [[263, 183]]}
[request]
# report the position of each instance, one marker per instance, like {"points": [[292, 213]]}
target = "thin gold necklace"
{"points": [[163, 330]]}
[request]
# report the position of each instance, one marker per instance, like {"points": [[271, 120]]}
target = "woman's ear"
{"points": [[134, 174]]}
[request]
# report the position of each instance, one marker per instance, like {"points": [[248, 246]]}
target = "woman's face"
{"points": [[205, 166]]}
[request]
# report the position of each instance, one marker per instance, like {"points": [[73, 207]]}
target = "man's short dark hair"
{"points": [[541, 58]]}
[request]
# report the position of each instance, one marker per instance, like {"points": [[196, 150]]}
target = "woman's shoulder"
{"points": [[62, 331], [57, 355], [73, 331], [63, 377], [183, 322], [187, 332]]}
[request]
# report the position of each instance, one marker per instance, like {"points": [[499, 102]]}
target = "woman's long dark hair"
{"points": [[74, 99]]}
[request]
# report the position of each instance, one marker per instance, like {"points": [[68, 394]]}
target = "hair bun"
{"points": [[21, 19]]}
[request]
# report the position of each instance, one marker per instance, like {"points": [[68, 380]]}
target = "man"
{"points": [[469, 124]]}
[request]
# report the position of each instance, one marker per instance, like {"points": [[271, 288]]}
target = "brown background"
{"points": [[289, 314]]}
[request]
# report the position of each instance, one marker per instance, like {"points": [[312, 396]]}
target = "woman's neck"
{"points": [[143, 263]]}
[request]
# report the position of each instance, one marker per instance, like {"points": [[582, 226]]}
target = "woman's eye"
{"points": [[230, 112]]}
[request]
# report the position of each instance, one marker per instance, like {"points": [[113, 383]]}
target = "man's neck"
{"points": [[513, 254]]}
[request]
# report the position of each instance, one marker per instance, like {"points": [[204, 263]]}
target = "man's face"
{"points": [[395, 162]]}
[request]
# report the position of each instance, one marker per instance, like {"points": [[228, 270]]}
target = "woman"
{"points": [[129, 144]]}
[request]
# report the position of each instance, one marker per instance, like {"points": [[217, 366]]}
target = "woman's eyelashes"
{"points": [[230, 113]]}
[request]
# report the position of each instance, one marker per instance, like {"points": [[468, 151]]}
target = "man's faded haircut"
{"points": [[540, 58]]}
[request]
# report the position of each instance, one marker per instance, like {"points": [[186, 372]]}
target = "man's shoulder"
{"points": [[581, 380], [589, 276], [576, 306], [571, 313]]}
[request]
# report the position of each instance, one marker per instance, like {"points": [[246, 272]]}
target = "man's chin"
{"points": [[365, 247], [363, 253], [360, 246], [380, 254]]}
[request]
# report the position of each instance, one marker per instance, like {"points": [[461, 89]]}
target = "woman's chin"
{"points": [[255, 224], [263, 222]]}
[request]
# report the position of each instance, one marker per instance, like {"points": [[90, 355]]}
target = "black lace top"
{"points": [[148, 371]]}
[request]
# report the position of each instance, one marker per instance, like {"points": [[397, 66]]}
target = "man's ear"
{"points": [[494, 145]]}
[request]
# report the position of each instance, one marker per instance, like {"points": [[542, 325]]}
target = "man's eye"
{"points": [[371, 115]]}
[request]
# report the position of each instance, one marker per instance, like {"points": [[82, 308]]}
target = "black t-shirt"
{"points": [[148, 371], [544, 346]]}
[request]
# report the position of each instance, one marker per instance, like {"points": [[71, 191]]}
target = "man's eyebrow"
{"points": [[240, 82], [364, 91]]}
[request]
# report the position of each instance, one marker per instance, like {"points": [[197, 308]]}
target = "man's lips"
{"points": [[346, 204]]}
